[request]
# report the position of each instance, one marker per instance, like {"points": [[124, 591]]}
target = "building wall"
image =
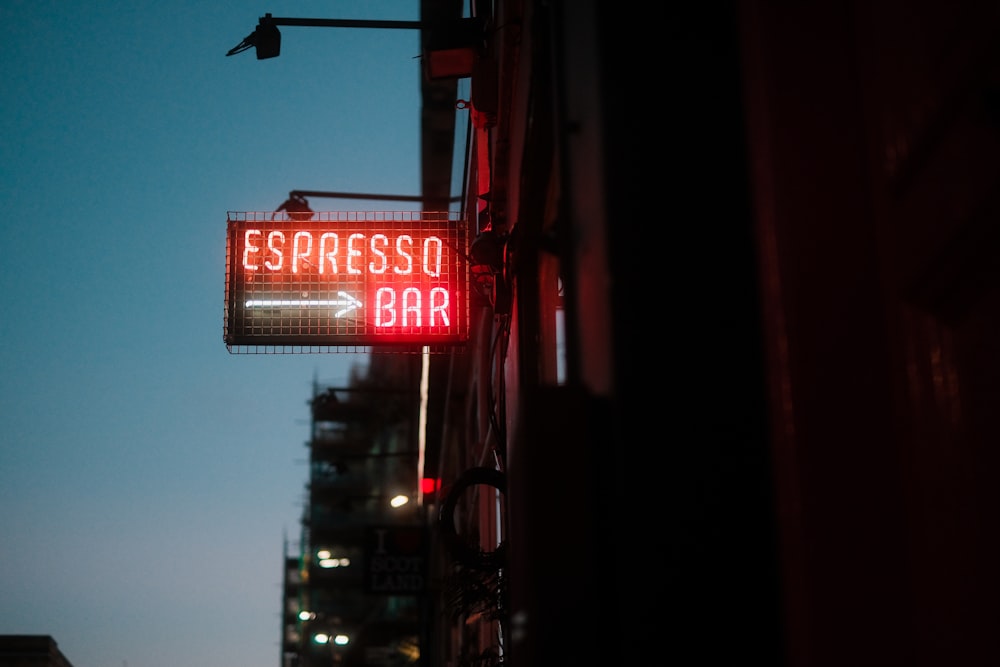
{"points": [[774, 224], [31, 651], [873, 131]]}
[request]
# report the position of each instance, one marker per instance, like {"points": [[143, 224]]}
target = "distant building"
{"points": [[354, 593], [31, 651]]}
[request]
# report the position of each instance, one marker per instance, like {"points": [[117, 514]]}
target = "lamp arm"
{"points": [[354, 195], [343, 23]]}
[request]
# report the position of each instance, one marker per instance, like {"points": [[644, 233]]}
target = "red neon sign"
{"points": [[355, 278]]}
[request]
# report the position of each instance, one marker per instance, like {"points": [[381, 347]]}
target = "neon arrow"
{"points": [[346, 302]]}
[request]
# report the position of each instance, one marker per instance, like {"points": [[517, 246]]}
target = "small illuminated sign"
{"points": [[346, 279], [395, 560]]}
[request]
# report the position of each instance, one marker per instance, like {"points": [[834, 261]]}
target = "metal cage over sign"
{"points": [[316, 281]]}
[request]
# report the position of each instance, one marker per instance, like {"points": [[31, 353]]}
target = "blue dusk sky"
{"points": [[148, 477]]}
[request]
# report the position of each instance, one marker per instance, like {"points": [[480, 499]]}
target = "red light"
{"points": [[429, 485]]}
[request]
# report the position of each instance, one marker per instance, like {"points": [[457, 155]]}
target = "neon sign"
{"points": [[346, 278]]}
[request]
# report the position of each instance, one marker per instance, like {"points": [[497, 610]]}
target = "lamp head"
{"points": [[297, 208], [267, 38]]}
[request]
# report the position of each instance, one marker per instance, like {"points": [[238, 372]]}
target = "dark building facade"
{"points": [[31, 651], [733, 340]]}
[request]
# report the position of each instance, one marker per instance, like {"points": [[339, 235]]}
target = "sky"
{"points": [[148, 476]]}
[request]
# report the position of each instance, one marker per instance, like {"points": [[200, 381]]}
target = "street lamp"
{"points": [[451, 47]]}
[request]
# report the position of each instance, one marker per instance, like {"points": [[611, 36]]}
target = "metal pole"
{"points": [[344, 23], [355, 195]]}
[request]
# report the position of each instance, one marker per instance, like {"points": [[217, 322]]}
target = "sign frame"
{"points": [[346, 279]]}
